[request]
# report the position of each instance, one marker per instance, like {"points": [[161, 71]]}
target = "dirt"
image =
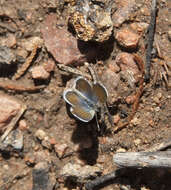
{"points": [[47, 110]]}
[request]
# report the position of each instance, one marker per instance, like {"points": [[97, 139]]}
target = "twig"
{"points": [[13, 123], [160, 159], [103, 179], [18, 87], [26, 65], [150, 38], [73, 70], [139, 92]]}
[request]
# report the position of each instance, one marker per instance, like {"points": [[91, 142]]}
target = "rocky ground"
{"points": [[42, 145]]}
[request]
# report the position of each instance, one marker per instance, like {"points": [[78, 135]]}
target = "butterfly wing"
{"points": [[79, 107], [99, 93], [84, 87]]}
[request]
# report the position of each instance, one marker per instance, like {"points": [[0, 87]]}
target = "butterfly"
{"points": [[85, 99]]}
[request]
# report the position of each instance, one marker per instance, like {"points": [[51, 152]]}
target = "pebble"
{"points": [[39, 72], [60, 149], [128, 67], [135, 121], [130, 99], [14, 140], [6, 55], [46, 143], [40, 134], [121, 150], [125, 9], [42, 178], [22, 125], [116, 119], [9, 108], [49, 66], [137, 142], [80, 173], [127, 39], [11, 41]]}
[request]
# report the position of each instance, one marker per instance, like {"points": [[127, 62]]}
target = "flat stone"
{"points": [[125, 9], [59, 42], [127, 39], [8, 109], [39, 72]]}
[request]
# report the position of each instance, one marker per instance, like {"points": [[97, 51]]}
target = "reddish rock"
{"points": [[11, 41], [127, 38], [38, 72], [111, 81], [59, 42], [9, 108], [126, 62], [49, 66], [130, 99], [125, 9]]}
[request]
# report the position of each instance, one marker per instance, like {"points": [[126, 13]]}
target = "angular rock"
{"points": [[6, 55], [42, 179], [129, 68], [91, 20], [14, 140], [79, 173], [9, 107], [127, 39], [59, 42], [39, 72], [124, 11], [60, 149], [49, 66]]}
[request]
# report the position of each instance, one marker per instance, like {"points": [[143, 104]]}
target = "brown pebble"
{"points": [[126, 38], [9, 107], [130, 99], [38, 72], [23, 125], [60, 149], [11, 41], [49, 66]]}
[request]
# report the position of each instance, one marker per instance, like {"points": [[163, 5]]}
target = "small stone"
{"points": [[6, 55], [14, 140], [23, 125], [156, 100], [21, 53], [130, 99], [40, 134], [42, 178], [49, 66], [127, 38], [11, 41], [135, 121], [46, 143], [128, 66], [121, 150], [140, 27], [9, 108], [116, 119], [60, 149], [125, 9], [80, 173], [39, 72], [113, 66], [137, 142], [29, 159]]}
